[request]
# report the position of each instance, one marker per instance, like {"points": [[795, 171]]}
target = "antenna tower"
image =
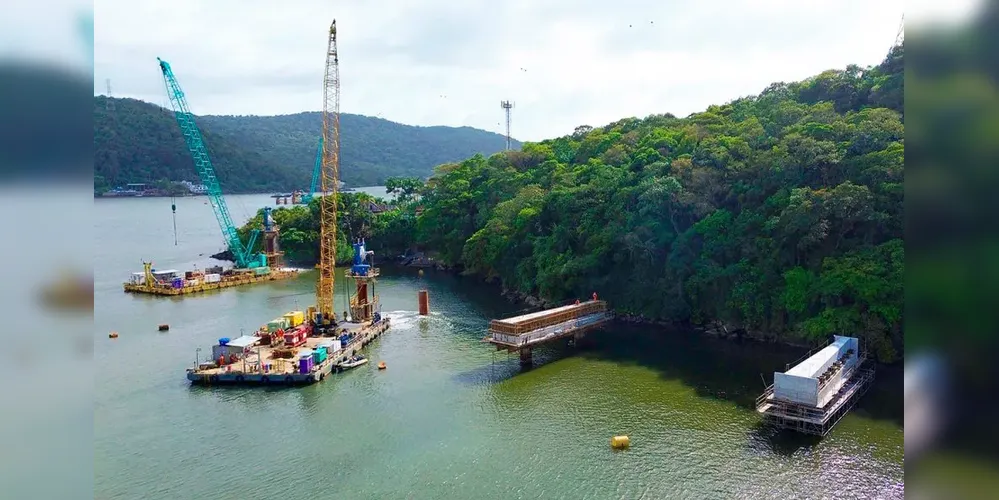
{"points": [[507, 106], [901, 32]]}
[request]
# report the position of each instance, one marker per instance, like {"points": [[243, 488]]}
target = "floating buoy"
{"points": [[420, 273], [381, 365], [113, 335], [164, 327], [620, 442]]}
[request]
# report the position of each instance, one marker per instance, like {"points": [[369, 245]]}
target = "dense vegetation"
{"points": [[780, 214], [299, 226], [267, 153]]}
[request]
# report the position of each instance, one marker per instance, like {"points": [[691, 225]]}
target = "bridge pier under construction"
{"points": [[521, 334]]}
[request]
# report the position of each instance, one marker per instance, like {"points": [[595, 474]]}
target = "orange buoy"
{"points": [[381, 365]]}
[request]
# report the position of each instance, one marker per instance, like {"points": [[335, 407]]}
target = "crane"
{"points": [[315, 174], [242, 254], [329, 177]]}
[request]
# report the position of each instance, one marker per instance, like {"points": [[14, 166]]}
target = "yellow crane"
{"points": [[329, 177]]}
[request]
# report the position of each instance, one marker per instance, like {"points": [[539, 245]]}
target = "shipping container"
{"points": [[319, 355], [213, 278], [305, 365], [260, 271], [295, 318]]}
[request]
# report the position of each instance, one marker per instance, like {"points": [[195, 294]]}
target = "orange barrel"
{"points": [[424, 303]]}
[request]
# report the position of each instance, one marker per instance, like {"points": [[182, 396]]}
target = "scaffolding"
{"points": [[838, 388], [522, 333]]}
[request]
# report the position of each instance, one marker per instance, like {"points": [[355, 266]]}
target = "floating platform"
{"points": [[248, 370], [815, 394], [237, 277], [522, 333]]}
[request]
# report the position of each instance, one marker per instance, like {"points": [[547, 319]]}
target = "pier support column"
{"points": [[525, 357]]}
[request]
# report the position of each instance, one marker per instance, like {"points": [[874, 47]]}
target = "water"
{"points": [[450, 417]]}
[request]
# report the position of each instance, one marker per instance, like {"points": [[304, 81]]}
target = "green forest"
{"points": [[780, 214], [135, 141]]}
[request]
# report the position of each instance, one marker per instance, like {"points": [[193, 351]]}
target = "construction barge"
{"points": [[816, 393], [300, 347], [521, 334], [174, 282], [261, 267], [285, 356]]}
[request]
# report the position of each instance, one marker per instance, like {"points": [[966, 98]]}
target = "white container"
{"points": [[213, 278]]}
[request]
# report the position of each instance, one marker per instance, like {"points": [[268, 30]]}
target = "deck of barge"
{"points": [[285, 371], [226, 282]]}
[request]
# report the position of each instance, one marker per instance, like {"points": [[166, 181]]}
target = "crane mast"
{"points": [[196, 145], [329, 177]]}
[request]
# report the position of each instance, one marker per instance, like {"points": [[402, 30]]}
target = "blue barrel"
{"points": [[224, 341]]}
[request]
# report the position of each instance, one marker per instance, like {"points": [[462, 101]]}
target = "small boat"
{"points": [[354, 362]]}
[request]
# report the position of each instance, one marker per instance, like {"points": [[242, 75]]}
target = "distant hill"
{"points": [[265, 153]]}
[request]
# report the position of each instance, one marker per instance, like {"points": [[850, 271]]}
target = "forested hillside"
{"points": [[264, 153], [780, 213]]}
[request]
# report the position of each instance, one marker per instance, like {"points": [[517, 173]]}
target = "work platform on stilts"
{"points": [[521, 334]]}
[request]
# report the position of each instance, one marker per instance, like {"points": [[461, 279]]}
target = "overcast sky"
{"points": [[434, 62]]}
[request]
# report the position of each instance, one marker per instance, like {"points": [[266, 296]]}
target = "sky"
{"points": [[563, 63]]}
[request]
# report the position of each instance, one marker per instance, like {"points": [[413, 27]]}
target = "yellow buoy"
{"points": [[620, 442], [113, 335]]}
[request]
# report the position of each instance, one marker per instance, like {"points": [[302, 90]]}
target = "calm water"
{"points": [[450, 418]]}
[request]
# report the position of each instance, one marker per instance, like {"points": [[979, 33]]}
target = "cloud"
{"points": [[437, 62]]}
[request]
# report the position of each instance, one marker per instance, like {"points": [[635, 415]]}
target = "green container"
{"points": [[274, 326], [260, 271]]}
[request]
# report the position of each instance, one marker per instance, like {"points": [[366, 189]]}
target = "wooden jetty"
{"points": [[816, 393], [257, 366], [521, 334]]}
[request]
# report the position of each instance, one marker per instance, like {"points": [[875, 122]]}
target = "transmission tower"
{"points": [[112, 167], [901, 32], [507, 106], [329, 177]]}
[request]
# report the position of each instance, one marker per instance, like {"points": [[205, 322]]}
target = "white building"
{"points": [[195, 188]]}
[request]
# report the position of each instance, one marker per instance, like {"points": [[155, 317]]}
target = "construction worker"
{"points": [[577, 302], [594, 296]]}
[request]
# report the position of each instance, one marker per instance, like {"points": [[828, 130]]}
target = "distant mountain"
{"points": [[265, 153]]}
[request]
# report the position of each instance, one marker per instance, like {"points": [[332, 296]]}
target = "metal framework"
{"points": [[507, 106], [316, 171], [818, 420], [196, 145], [329, 178]]}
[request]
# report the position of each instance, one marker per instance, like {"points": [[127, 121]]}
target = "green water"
{"points": [[450, 417]]}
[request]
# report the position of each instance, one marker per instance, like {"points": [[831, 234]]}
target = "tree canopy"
{"points": [[269, 153], [780, 213]]}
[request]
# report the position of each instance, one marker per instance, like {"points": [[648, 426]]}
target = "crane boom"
{"points": [[329, 178], [196, 145], [315, 173]]}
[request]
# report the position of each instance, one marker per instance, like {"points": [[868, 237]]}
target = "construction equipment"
{"points": [[242, 255], [329, 178], [307, 197]]}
